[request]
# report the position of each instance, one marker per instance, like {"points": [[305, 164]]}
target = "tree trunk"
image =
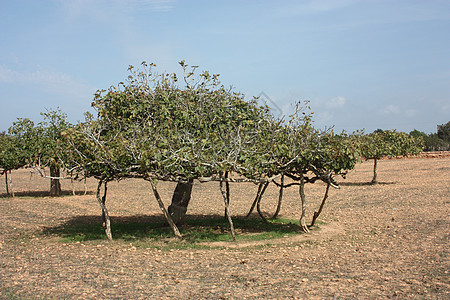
{"points": [[8, 182], [280, 198], [303, 200], [104, 204], [73, 187], [55, 185], [375, 163], [11, 185], [227, 188], [105, 214], [317, 213], [180, 201], [72, 183]]}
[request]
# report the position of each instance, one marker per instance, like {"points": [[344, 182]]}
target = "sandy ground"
{"points": [[389, 240]]}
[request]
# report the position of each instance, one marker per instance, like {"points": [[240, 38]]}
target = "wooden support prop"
{"points": [[164, 211], [227, 210], [258, 204], [260, 186], [317, 213], [280, 197]]}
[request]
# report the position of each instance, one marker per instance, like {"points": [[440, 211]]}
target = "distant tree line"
{"points": [[439, 141]]}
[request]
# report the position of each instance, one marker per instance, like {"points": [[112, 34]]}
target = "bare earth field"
{"points": [[389, 240]]}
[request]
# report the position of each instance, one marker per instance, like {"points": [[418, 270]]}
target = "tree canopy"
{"points": [[389, 143], [191, 127]]}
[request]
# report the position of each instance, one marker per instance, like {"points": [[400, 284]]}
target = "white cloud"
{"points": [[411, 113], [381, 12], [326, 5], [390, 110], [153, 5], [49, 81], [445, 106], [334, 103], [103, 10], [38, 76], [325, 117], [314, 7]]}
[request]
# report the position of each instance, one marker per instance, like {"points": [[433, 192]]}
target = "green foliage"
{"points": [[153, 127], [156, 126], [418, 134], [432, 141], [302, 149], [51, 149], [16, 147], [339, 153], [40, 145], [444, 132], [390, 143], [11, 156]]}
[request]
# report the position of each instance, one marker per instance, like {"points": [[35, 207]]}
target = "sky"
{"points": [[368, 64]]}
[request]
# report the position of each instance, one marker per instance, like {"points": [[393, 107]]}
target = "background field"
{"points": [[384, 241]]}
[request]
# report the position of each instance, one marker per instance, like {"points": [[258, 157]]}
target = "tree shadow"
{"points": [[42, 194], [195, 228], [365, 183]]}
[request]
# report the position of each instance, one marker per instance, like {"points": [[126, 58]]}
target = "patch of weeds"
{"points": [[12, 294], [121, 231], [195, 230], [211, 229], [443, 254], [319, 222], [77, 233]]}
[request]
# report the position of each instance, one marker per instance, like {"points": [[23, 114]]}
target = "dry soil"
{"points": [[389, 240]]}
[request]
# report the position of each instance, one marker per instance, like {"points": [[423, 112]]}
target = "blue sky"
{"points": [[361, 64]]}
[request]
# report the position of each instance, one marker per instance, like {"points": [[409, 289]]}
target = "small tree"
{"points": [[389, 143], [336, 156], [16, 149], [51, 150], [42, 147], [11, 158], [154, 128]]}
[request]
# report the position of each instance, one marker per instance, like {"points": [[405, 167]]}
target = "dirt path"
{"points": [[385, 241]]}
